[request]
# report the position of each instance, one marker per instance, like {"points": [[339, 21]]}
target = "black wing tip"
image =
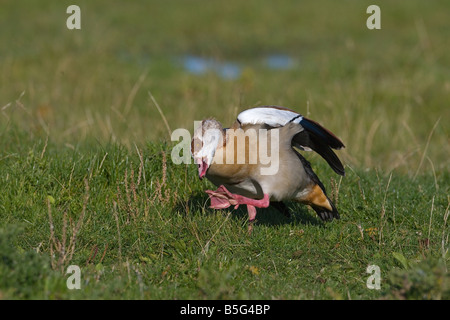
{"points": [[325, 214], [321, 132], [330, 157], [339, 170]]}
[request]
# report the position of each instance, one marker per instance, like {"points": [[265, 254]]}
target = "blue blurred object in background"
{"points": [[279, 62]]}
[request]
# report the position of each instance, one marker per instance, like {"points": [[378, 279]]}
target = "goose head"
{"points": [[207, 137]]}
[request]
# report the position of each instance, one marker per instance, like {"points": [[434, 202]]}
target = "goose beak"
{"points": [[202, 168]]}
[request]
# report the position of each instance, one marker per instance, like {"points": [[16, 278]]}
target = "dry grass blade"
{"points": [[141, 167], [133, 92], [426, 148], [431, 218], [444, 241], [161, 113], [206, 247], [116, 217], [383, 209], [61, 253]]}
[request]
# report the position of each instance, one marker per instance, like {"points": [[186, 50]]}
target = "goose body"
{"points": [[236, 160]]}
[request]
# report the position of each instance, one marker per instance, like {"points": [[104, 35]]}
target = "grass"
{"points": [[142, 229], [87, 179]]}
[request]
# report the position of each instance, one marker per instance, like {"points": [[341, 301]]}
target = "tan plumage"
{"points": [[243, 182]]}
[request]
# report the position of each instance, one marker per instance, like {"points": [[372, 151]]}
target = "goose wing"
{"points": [[311, 136]]}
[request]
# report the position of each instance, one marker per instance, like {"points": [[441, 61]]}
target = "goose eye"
{"points": [[196, 145]]}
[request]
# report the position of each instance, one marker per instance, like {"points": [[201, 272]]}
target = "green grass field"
{"points": [[86, 174]]}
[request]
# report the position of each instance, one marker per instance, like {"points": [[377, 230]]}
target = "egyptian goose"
{"points": [[236, 160]]}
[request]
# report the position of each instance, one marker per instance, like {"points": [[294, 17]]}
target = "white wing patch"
{"points": [[271, 116]]}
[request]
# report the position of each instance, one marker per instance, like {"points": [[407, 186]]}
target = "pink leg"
{"points": [[251, 217], [251, 213], [222, 198], [263, 203]]}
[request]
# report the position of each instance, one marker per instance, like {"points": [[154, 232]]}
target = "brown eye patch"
{"points": [[196, 145]]}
